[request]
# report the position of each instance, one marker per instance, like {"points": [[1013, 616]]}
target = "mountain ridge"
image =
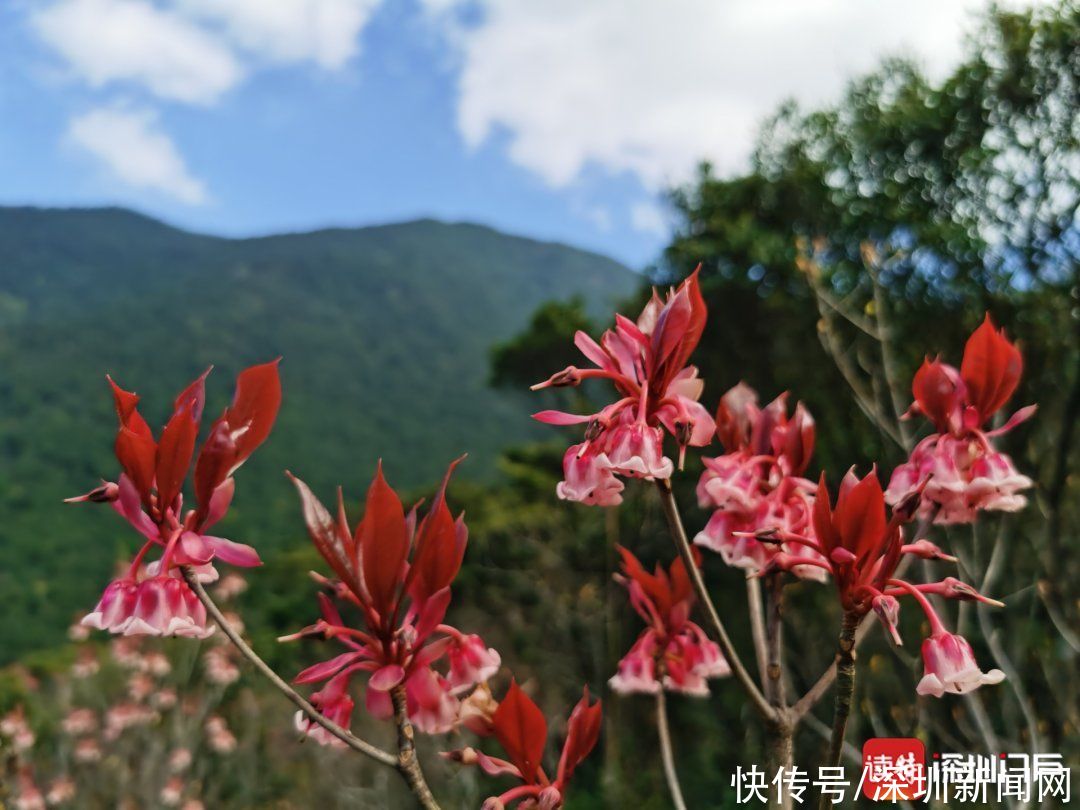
{"points": [[385, 333]]}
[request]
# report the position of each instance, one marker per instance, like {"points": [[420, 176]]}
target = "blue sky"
{"points": [[562, 119]]}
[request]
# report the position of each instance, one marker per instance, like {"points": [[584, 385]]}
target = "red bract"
{"points": [[398, 575], [520, 727], [755, 487], [957, 464], [861, 547], [646, 361], [156, 601], [673, 652]]}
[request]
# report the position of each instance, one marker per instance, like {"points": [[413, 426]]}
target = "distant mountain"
{"points": [[385, 333]]}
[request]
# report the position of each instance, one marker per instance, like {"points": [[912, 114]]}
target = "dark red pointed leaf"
{"points": [[860, 516], [991, 369], [174, 452], [823, 517], [216, 459], [254, 407], [440, 546], [193, 397], [334, 546], [582, 733], [126, 413], [521, 730], [137, 454], [384, 543]]}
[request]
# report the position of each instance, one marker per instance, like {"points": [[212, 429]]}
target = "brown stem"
{"points": [[314, 714], [738, 669], [756, 609], [845, 691], [779, 733], [407, 763], [667, 755]]}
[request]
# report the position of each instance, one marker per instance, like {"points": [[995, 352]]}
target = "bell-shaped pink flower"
{"points": [[159, 606], [637, 669], [637, 450], [471, 662], [737, 550], [334, 703], [431, 706], [951, 667], [588, 478]]}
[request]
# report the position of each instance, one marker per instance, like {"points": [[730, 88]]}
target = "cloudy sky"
{"points": [[560, 119]]}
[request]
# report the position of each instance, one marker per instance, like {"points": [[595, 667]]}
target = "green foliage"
{"points": [[385, 335]]}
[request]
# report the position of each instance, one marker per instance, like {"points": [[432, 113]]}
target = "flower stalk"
{"points": [[682, 544], [845, 691], [667, 754], [407, 762]]}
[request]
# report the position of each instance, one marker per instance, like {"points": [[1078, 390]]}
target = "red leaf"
{"points": [[174, 452], [823, 516], [194, 396], [216, 459], [440, 547], [521, 730], [137, 454], [254, 408], [129, 417], [582, 733], [991, 369], [860, 516], [384, 543], [334, 545]]}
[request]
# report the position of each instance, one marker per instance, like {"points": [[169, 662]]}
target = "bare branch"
{"points": [[347, 737]]}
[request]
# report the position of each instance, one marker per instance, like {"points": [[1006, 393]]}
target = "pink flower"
{"points": [[148, 496], [755, 487], [637, 451], [951, 667], [637, 669], [61, 791], [334, 703], [28, 796], [958, 467], [672, 652], [588, 477], [471, 661], [160, 606], [646, 362], [79, 722], [397, 575]]}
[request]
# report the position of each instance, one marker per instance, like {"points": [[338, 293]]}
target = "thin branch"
{"points": [[314, 714], [407, 762], [845, 691], [678, 534], [774, 636], [667, 755], [757, 626]]}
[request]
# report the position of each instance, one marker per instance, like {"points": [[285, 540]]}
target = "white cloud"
{"points": [[323, 31], [133, 148], [649, 218], [106, 41], [651, 88]]}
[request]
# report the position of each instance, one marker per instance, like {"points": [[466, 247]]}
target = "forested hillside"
{"points": [[385, 334]]}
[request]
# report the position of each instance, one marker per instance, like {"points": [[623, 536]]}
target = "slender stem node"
{"points": [[407, 762], [845, 691], [667, 755]]}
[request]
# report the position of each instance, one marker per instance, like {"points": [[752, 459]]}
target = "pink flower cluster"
{"points": [[672, 653], [957, 465], [154, 599], [398, 575], [756, 488], [646, 361]]}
